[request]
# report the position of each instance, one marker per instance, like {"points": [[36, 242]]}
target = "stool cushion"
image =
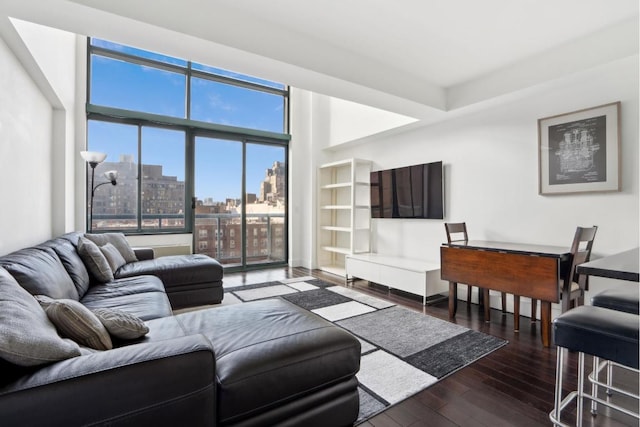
{"points": [[622, 298], [609, 334]]}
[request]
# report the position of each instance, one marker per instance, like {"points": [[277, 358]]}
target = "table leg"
{"points": [[566, 301], [487, 305], [545, 322], [516, 313], [534, 309], [453, 299]]}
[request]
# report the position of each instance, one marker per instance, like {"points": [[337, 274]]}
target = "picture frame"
{"points": [[579, 152]]}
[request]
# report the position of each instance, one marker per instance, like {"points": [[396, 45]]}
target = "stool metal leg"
{"points": [[594, 385], [558, 401], [609, 378], [580, 398]]}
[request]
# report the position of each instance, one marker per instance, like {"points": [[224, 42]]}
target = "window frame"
{"points": [[186, 124]]}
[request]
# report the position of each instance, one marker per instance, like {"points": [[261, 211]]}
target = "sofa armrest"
{"points": [[169, 382], [144, 253]]}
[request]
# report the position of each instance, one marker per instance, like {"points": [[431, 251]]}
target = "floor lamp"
{"points": [[94, 158]]}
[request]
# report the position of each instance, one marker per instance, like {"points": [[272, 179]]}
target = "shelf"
{"points": [[336, 207], [339, 163], [335, 228], [334, 186], [344, 222], [337, 250]]}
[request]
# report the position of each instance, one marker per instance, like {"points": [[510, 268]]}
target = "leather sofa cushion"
{"points": [[271, 352], [65, 248], [176, 270], [39, 270], [146, 305], [127, 286]]}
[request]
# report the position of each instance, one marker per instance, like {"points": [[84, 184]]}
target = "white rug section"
{"points": [[266, 292], [391, 378], [302, 286], [343, 311], [297, 279], [363, 298]]}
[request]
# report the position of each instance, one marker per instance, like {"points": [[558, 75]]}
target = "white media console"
{"points": [[409, 275]]}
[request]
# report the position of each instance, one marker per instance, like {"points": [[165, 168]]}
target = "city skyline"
{"points": [[262, 188]]}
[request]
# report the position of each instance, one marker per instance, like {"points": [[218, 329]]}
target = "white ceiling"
{"points": [[414, 57]]}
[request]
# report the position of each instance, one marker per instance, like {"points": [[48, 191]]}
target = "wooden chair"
{"points": [[457, 232], [572, 285]]}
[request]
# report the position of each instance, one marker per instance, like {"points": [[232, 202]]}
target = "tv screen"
{"points": [[408, 192]]}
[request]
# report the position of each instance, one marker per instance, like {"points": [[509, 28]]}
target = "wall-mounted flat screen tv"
{"points": [[408, 192]]}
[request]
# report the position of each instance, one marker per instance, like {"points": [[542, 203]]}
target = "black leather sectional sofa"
{"points": [[264, 363]]}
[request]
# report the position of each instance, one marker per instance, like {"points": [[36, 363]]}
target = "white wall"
{"points": [[54, 54], [25, 153], [351, 121], [491, 171], [38, 144]]}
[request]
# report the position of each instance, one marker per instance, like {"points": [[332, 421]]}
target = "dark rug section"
{"points": [[448, 356], [318, 298], [319, 283]]}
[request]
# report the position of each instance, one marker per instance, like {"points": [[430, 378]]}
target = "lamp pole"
{"points": [[93, 172], [94, 158]]}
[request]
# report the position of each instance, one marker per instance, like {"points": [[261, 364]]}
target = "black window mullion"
{"points": [[139, 201]]}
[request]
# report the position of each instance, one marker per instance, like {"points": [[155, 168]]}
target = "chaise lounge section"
{"points": [[255, 364]]}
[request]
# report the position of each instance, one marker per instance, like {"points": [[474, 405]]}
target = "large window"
{"points": [[147, 111]]}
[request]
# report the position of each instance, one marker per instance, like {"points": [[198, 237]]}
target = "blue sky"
{"points": [[218, 162]]}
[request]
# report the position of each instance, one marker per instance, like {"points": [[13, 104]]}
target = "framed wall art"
{"points": [[579, 152]]}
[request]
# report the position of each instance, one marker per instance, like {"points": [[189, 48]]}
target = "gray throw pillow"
{"points": [[95, 260], [113, 257], [116, 239], [121, 324], [74, 320], [27, 337]]}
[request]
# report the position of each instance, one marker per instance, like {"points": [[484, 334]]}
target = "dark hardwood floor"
{"points": [[513, 386]]}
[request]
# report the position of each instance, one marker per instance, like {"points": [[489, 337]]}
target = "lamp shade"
{"points": [[93, 156], [111, 176]]}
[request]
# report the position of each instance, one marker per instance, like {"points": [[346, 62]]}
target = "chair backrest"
{"points": [[456, 232], [581, 253]]}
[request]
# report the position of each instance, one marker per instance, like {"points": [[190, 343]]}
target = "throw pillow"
{"points": [[95, 260], [116, 239], [27, 337], [74, 320], [121, 324], [113, 257]]}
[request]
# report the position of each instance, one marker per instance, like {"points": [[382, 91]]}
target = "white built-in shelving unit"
{"points": [[344, 220]]}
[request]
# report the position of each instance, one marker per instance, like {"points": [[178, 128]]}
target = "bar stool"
{"points": [[606, 334], [624, 298]]}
